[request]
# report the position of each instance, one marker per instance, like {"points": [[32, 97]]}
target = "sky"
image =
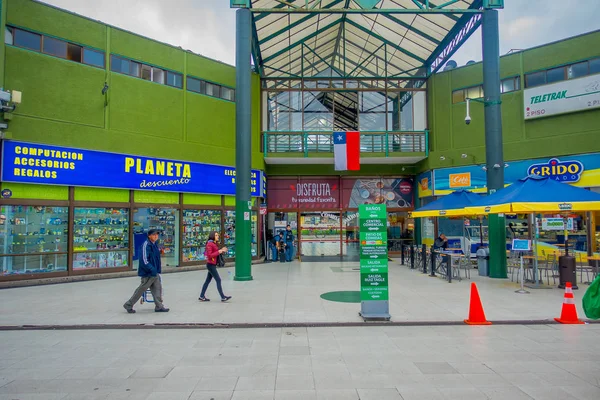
{"points": [[207, 27]]}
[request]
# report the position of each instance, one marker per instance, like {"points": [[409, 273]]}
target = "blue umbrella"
{"points": [[452, 204]]}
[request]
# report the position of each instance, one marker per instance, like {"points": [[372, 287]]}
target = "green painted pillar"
{"points": [[417, 204], [2, 46], [243, 146], [493, 137]]}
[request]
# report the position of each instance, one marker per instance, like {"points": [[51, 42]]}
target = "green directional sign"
{"points": [[374, 292]]}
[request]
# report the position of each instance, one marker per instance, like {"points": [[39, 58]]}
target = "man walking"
{"points": [[149, 270]]}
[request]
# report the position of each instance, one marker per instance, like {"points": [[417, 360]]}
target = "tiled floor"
{"points": [[288, 292], [371, 363]]}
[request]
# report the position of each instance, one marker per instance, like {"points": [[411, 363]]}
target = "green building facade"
{"points": [[109, 94]]}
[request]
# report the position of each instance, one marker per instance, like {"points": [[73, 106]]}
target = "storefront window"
{"points": [[33, 239], [167, 221], [350, 238], [197, 225], [229, 233], [97, 235]]}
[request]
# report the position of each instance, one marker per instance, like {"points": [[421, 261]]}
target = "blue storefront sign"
{"points": [[579, 170], [54, 165]]}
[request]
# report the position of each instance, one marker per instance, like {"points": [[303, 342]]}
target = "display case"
{"points": [[229, 233], [166, 220], [33, 239], [100, 238], [197, 225]]}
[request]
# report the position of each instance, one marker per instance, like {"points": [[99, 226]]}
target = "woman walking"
{"points": [[212, 252]]}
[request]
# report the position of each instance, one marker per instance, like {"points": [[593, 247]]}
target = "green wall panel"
{"points": [[155, 197], [211, 70], [214, 125], [55, 22], [101, 194], [442, 96], [201, 199], [146, 107], [146, 50], [230, 201], [560, 53], [54, 88], [41, 192]]}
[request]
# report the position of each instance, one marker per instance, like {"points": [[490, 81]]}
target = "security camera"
{"points": [[105, 88], [468, 117]]}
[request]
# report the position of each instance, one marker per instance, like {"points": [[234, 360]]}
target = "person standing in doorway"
{"points": [[149, 270], [275, 246], [212, 252], [289, 243]]}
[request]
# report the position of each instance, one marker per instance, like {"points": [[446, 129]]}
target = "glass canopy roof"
{"points": [[351, 39]]}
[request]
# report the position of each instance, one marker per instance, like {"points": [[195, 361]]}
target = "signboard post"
{"points": [[521, 245], [374, 295]]}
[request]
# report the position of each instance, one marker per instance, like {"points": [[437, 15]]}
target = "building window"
{"points": [[74, 52], [227, 94], [158, 75], [458, 96], [55, 47], [28, 40], [212, 89], [174, 79], [510, 84], [555, 75], [123, 66], [595, 66], [8, 35], [535, 79], [93, 57], [195, 85], [475, 92], [578, 70]]}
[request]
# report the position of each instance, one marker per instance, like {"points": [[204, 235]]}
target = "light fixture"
{"points": [[496, 165], [442, 158], [483, 167], [463, 155]]}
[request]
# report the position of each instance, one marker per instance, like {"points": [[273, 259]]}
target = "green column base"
{"points": [[497, 238], [242, 278]]}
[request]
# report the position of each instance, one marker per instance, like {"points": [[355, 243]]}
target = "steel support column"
{"points": [[493, 137], [243, 145]]}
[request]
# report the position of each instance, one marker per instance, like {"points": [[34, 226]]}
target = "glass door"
{"points": [[166, 220], [320, 236], [350, 238]]}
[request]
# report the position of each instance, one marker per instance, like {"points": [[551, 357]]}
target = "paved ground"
{"points": [[524, 361], [287, 292], [372, 363]]}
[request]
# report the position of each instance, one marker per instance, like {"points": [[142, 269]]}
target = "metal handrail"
{"points": [[322, 142]]}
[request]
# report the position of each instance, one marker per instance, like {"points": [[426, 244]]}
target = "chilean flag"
{"points": [[346, 151]]}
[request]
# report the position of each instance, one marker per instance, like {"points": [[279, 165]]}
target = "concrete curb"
{"points": [[199, 325]]}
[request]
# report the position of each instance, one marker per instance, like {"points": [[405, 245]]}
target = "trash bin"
{"points": [[567, 271], [483, 256]]}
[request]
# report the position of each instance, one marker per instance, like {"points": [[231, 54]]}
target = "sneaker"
{"points": [[164, 309], [224, 299], [129, 310], [203, 299]]}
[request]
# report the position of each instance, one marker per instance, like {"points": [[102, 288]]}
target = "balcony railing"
{"points": [[322, 142]]}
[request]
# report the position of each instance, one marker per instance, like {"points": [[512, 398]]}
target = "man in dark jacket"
{"points": [[149, 270]]}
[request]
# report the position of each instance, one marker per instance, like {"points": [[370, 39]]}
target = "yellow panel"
{"points": [[156, 197]]}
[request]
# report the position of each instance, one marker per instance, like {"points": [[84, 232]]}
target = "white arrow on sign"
{"points": [[375, 284], [374, 269], [373, 229], [375, 296], [373, 256]]}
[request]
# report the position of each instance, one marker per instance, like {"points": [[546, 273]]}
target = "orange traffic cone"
{"points": [[568, 314], [476, 314]]}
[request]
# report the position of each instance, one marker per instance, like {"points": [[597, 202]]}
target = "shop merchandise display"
{"points": [[165, 220], [97, 235], [229, 233], [28, 231], [197, 225]]}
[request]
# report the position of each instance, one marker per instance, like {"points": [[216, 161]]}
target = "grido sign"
{"points": [[565, 171], [562, 97]]}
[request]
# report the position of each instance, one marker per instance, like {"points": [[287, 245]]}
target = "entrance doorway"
{"points": [[320, 238]]}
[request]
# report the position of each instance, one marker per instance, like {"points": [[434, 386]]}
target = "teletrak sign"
{"points": [[563, 97], [54, 165]]}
